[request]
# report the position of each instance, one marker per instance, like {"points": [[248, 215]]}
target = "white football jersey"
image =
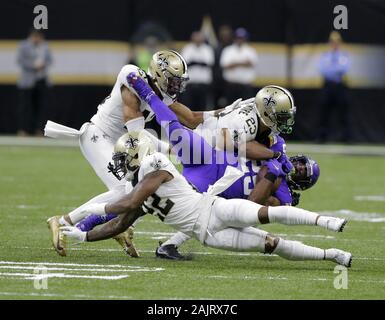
{"points": [[176, 202], [109, 117], [241, 122]]}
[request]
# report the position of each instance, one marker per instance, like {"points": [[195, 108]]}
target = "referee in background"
{"points": [[333, 67]]}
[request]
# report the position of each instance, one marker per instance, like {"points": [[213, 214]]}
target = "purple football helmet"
{"points": [[306, 172]]}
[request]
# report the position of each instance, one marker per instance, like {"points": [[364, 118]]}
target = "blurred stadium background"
{"points": [[91, 40]]}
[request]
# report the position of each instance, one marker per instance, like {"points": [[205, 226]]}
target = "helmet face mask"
{"points": [[129, 151], [175, 85], [121, 167], [275, 108], [168, 69], [285, 121], [306, 173]]}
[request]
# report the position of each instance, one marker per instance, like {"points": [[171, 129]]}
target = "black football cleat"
{"points": [[169, 251]]}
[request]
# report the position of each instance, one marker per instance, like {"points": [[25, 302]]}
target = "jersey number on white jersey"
{"points": [[158, 206]]}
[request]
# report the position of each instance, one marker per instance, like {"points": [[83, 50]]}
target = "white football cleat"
{"points": [[343, 258]]}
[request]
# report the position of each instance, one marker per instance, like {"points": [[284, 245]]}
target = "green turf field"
{"points": [[38, 182]]}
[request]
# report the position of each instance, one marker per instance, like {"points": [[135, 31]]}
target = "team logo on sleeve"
{"points": [[131, 143], [269, 101], [157, 164]]}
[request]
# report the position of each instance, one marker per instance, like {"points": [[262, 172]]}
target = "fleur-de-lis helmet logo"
{"points": [[163, 62], [131, 143], [269, 102]]}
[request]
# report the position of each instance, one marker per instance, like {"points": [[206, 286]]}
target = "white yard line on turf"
{"points": [[42, 267], [75, 264], [44, 270], [379, 198], [29, 276]]}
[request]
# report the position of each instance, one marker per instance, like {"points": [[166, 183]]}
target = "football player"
{"points": [[167, 76], [228, 224]]}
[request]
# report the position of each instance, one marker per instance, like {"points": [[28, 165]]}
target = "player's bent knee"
{"points": [[263, 215], [271, 243]]}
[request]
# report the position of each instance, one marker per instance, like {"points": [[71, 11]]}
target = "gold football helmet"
{"points": [[129, 151], [169, 71], [275, 107]]}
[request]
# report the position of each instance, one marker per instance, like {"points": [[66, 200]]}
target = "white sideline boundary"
{"points": [[293, 147]]}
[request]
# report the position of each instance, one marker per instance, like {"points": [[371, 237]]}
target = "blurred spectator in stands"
{"points": [[239, 62], [145, 51], [199, 57], [34, 58], [225, 37], [333, 66]]}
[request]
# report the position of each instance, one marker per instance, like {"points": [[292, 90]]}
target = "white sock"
{"points": [[177, 239], [294, 250], [291, 215], [64, 222]]}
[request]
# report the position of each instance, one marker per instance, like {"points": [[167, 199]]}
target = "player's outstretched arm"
{"points": [[113, 227], [186, 116], [267, 184], [192, 119], [128, 207], [145, 188], [257, 151]]}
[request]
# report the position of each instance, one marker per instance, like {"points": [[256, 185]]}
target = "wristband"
{"points": [[271, 177]]}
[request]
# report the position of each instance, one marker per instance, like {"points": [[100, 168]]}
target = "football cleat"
{"points": [[58, 238], [169, 251], [343, 258], [125, 239], [336, 224]]}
